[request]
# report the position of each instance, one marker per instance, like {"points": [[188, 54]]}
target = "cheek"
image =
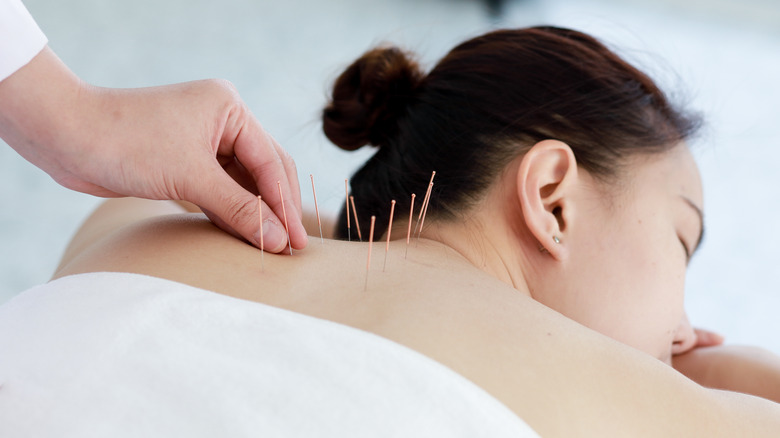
{"points": [[653, 301], [629, 282], [657, 306]]}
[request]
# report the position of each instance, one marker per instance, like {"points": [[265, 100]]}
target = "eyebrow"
{"points": [[701, 222]]}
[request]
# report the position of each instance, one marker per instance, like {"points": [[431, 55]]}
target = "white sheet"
{"points": [[117, 355]]}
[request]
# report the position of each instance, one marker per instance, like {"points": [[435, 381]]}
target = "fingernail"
{"points": [[274, 237]]}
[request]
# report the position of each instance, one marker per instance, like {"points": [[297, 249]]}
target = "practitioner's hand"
{"points": [[171, 142], [201, 144]]}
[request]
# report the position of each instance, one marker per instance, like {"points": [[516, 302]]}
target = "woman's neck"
{"points": [[487, 246]]}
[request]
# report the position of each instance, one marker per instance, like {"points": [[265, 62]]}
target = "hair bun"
{"points": [[369, 97]]}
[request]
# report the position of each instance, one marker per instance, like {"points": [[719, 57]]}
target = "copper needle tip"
{"points": [[424, 209]]}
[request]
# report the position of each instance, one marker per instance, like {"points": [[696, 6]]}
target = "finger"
{"points": [[298, 235], [683, 346], [240, 175], [258, 154], [685, 338], [706, 338], [292, 173], [234, 209]]}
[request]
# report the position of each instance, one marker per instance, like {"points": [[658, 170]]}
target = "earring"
{"points": [[542, 249]]}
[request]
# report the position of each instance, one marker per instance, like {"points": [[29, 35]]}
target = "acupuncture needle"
{"points": [[316, 208], [370, 242], [349, 230], [284, 212], [425, 201], [409, 226], [389, 229], [354, 213], [262, 243], [424, 211]]}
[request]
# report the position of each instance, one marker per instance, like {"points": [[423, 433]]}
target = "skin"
{"points": [[195, 141], [478, 295], [740, 368], [620, 266]]}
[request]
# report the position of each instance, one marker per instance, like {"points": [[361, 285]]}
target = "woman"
{"points": [[549, 273]]}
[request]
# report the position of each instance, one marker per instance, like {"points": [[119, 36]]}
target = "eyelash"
{"points": [[685, 248]]}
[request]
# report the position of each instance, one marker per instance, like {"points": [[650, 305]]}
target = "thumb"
{"points": [[235, 210]]}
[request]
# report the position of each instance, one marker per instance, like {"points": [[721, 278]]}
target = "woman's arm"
{"points": [[750, 370]]}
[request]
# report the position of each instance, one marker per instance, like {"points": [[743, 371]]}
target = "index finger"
{"points": [[292, 173], [268, 164]]}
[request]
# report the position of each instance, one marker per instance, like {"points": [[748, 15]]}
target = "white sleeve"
{"points": [[20, 37]]}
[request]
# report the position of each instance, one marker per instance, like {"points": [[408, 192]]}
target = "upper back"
{"points": [[560, 377]]}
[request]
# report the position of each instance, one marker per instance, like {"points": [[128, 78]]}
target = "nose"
{"points": [[684, 337]]}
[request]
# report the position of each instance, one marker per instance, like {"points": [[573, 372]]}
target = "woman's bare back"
{"points": [[560, 377]]}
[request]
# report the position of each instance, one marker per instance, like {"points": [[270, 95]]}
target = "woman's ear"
{"points": [[545, 181]]}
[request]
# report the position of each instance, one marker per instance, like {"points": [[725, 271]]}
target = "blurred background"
{"points": [[722, 57]]}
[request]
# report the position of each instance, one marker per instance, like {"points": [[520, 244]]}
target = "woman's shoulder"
{"points": [[156, 246]]}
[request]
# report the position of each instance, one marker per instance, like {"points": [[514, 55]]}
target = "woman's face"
{"points": [[628, 252]]}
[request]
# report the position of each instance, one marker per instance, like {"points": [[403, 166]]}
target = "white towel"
{"points": [[114, 355]]}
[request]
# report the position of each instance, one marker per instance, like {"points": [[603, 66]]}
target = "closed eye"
{"points": [[699, 213], [690, 251], [687, 251]]}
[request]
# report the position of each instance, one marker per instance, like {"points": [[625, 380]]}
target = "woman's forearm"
{"points": [[749, 370]]}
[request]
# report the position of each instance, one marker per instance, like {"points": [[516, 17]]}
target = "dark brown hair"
{"points": [[485, 103]]}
